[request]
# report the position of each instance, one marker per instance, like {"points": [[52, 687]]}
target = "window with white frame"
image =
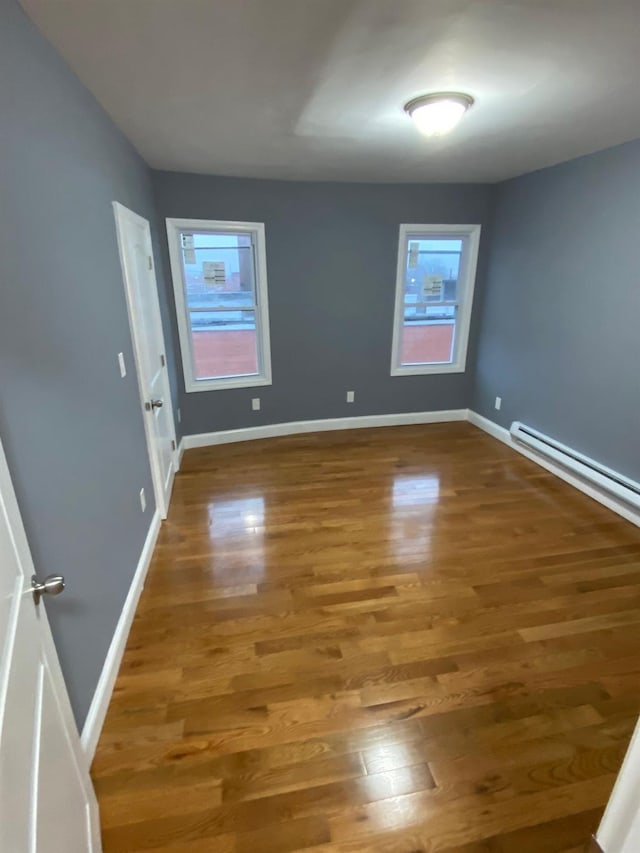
{"points": [[434, 295], [219, 272]]}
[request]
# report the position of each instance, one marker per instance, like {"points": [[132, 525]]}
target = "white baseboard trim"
{"points": [[492, 428], [504, 436], [102, 696], [207, 439]]}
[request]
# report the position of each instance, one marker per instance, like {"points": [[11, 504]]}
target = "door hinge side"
{"points": [[150, 262], [162, 361], [173, 444]]}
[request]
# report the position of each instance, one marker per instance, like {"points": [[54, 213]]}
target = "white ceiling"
{"points": [[314, 89]]}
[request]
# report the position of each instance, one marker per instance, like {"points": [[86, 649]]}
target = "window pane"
{"points": [[427, 341], [432, 271], [225, 343], [219, 270]]}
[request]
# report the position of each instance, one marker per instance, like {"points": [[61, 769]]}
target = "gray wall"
{"points": [[71, 428], [561, 325], [331, 259]]}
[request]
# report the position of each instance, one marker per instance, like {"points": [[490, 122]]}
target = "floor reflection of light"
{"points": [[253, 523], [391, 769], [235, 515], [397, 812], [388, 756], [415, 498], [232, 521], [415, 490]]}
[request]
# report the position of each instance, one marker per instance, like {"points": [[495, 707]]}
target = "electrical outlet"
{"points": [[179, 413], [255, 404], [351, 395], [498, 403], [143, 500], [123, 367]]}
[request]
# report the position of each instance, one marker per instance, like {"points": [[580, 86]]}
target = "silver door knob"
{"points": [[53, 585], [154, 404]]}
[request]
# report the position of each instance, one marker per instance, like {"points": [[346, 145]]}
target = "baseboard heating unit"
{"points": [[603, 478]]}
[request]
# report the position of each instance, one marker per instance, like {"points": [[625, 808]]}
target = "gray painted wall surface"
{"points": [[331, 259], [560, 338], [71, 428]]}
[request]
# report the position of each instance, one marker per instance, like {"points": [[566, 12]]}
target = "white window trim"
{"points": [[466, 285], [191, 384]]}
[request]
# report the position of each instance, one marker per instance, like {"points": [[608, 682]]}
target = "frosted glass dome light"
{"points": [[437, 114]]}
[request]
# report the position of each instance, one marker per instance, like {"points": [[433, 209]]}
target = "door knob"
{"points": [[53, 585], [154, 404]]}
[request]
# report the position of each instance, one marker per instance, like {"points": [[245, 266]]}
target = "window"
{"points": [[219, 275], [434, 294]]}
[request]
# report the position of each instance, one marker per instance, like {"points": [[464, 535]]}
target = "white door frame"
{"points": [[122, 214], [619, 830]]}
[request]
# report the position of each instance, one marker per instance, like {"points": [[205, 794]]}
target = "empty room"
{"points": [[319, 426]]}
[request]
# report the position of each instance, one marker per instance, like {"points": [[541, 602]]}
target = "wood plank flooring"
{"points": [[400, 640]]}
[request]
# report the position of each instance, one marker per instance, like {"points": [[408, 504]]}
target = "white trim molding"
{"points": [[102, 696], [469, 235], [260, 307], [206, 439], [179, 454], [503, 435]]}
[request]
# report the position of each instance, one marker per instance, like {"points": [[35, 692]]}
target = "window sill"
{"points": [[428, 369], [226, 384]]}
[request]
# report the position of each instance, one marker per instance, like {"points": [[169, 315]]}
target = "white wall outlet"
{"points": [[179, 413], [122, 365], [351, 395], [498, 403], [255, 404], [143, 500]]}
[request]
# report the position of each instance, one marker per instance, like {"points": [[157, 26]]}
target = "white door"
{"points": [[136, 257], [47, 803]]}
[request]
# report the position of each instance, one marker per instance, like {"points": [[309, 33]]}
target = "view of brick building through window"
{"points": [[223, 352], [220, 295], [427, 344], [429, 300], [220, 287]]}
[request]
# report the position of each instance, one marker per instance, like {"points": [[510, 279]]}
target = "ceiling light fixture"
{"points": [[439, 113]]}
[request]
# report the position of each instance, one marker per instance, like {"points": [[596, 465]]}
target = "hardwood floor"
{"points": [[394, 640]]}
